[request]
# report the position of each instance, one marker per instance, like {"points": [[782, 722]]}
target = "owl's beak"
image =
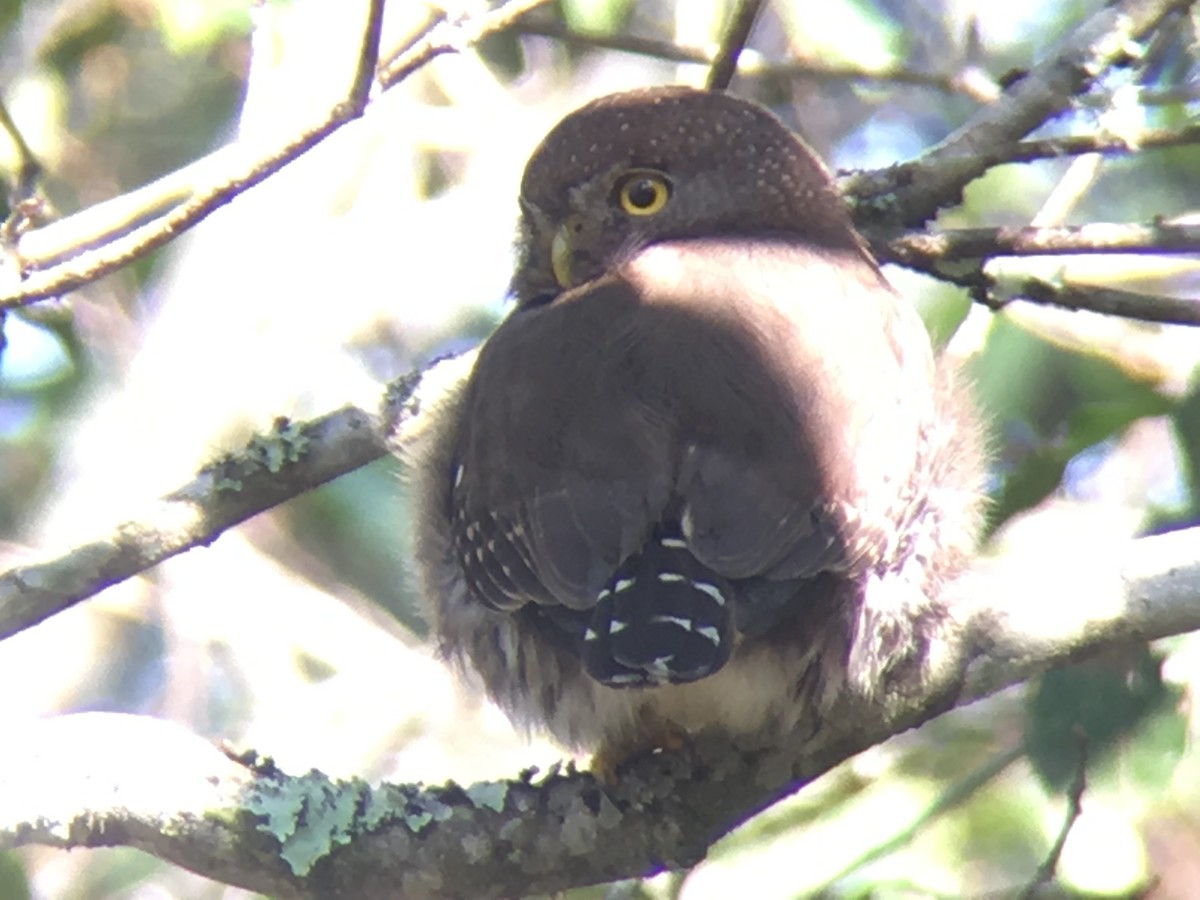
{"points": [[562, 252]]}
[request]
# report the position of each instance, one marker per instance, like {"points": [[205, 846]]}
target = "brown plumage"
{"points": [[707, 473]]}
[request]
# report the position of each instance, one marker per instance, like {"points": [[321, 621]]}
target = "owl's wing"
{"points": [[816, 401], [744, 521], [632, 452], [559, 543]]}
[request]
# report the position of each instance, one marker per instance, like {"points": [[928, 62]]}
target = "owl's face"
{"points": [[689, 164]]}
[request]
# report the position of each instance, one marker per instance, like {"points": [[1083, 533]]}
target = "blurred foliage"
{"points": [[1097, 710], [1048, 405], [13, 884], [1186, 420], [114, 93], [596, 16]]}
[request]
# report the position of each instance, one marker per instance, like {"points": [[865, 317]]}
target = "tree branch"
{"points": [[300, 456], [1075, 792], [246, 823], [922, 248], [114, 248], [1077, 145], [452, 37], [942, 256], [270, 469], [726, 61], [912, 193]]}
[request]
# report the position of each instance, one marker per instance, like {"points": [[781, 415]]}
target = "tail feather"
{"points": [[664, 617]]}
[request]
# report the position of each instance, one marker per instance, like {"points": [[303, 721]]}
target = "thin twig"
{"points": [[368, 58], [996, 294], [451, 37], [920, 248], [103, 222], [1075, 792], [950, 799], [1107, 301], [29, 169], [972, 84], [732, 43], [942, 255], [1107, 143], [93, 264]]}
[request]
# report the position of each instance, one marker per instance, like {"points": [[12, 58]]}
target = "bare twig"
{"points": [[452, 37], [28, 169], [972, 84], [921, 249], [104, 222], [97, 225], [1076, 145], [1108, 301], [726, 61], [950, 799], [1075, 793], [995, 293], [93, 264], [942, 255], [368, 58]]}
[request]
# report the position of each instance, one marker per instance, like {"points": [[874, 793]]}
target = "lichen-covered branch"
{"points": [[245, 823], [293, 458]]}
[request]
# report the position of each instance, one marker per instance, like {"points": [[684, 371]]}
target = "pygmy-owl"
{"points": [[708, 471]]}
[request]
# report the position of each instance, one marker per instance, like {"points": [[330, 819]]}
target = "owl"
{"points": [[708, 473]]}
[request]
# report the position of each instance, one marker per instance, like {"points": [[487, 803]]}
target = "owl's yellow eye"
{"points": [[643, 192]]}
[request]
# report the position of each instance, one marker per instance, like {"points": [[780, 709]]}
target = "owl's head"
{"points": [[667, 163]]}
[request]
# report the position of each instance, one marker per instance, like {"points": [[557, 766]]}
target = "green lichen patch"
{"points": [[312, 815]]}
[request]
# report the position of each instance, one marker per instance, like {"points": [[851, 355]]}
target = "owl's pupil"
{"points": [[643, 194]]}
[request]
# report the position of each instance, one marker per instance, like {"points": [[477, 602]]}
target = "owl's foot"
{"points": [[653, 733]]}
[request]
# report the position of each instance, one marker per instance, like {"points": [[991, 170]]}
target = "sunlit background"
{"points": [[391, 243]]}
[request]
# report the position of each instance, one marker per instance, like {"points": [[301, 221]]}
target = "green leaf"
{"points": [[1050, 404], [1120, 708]]}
